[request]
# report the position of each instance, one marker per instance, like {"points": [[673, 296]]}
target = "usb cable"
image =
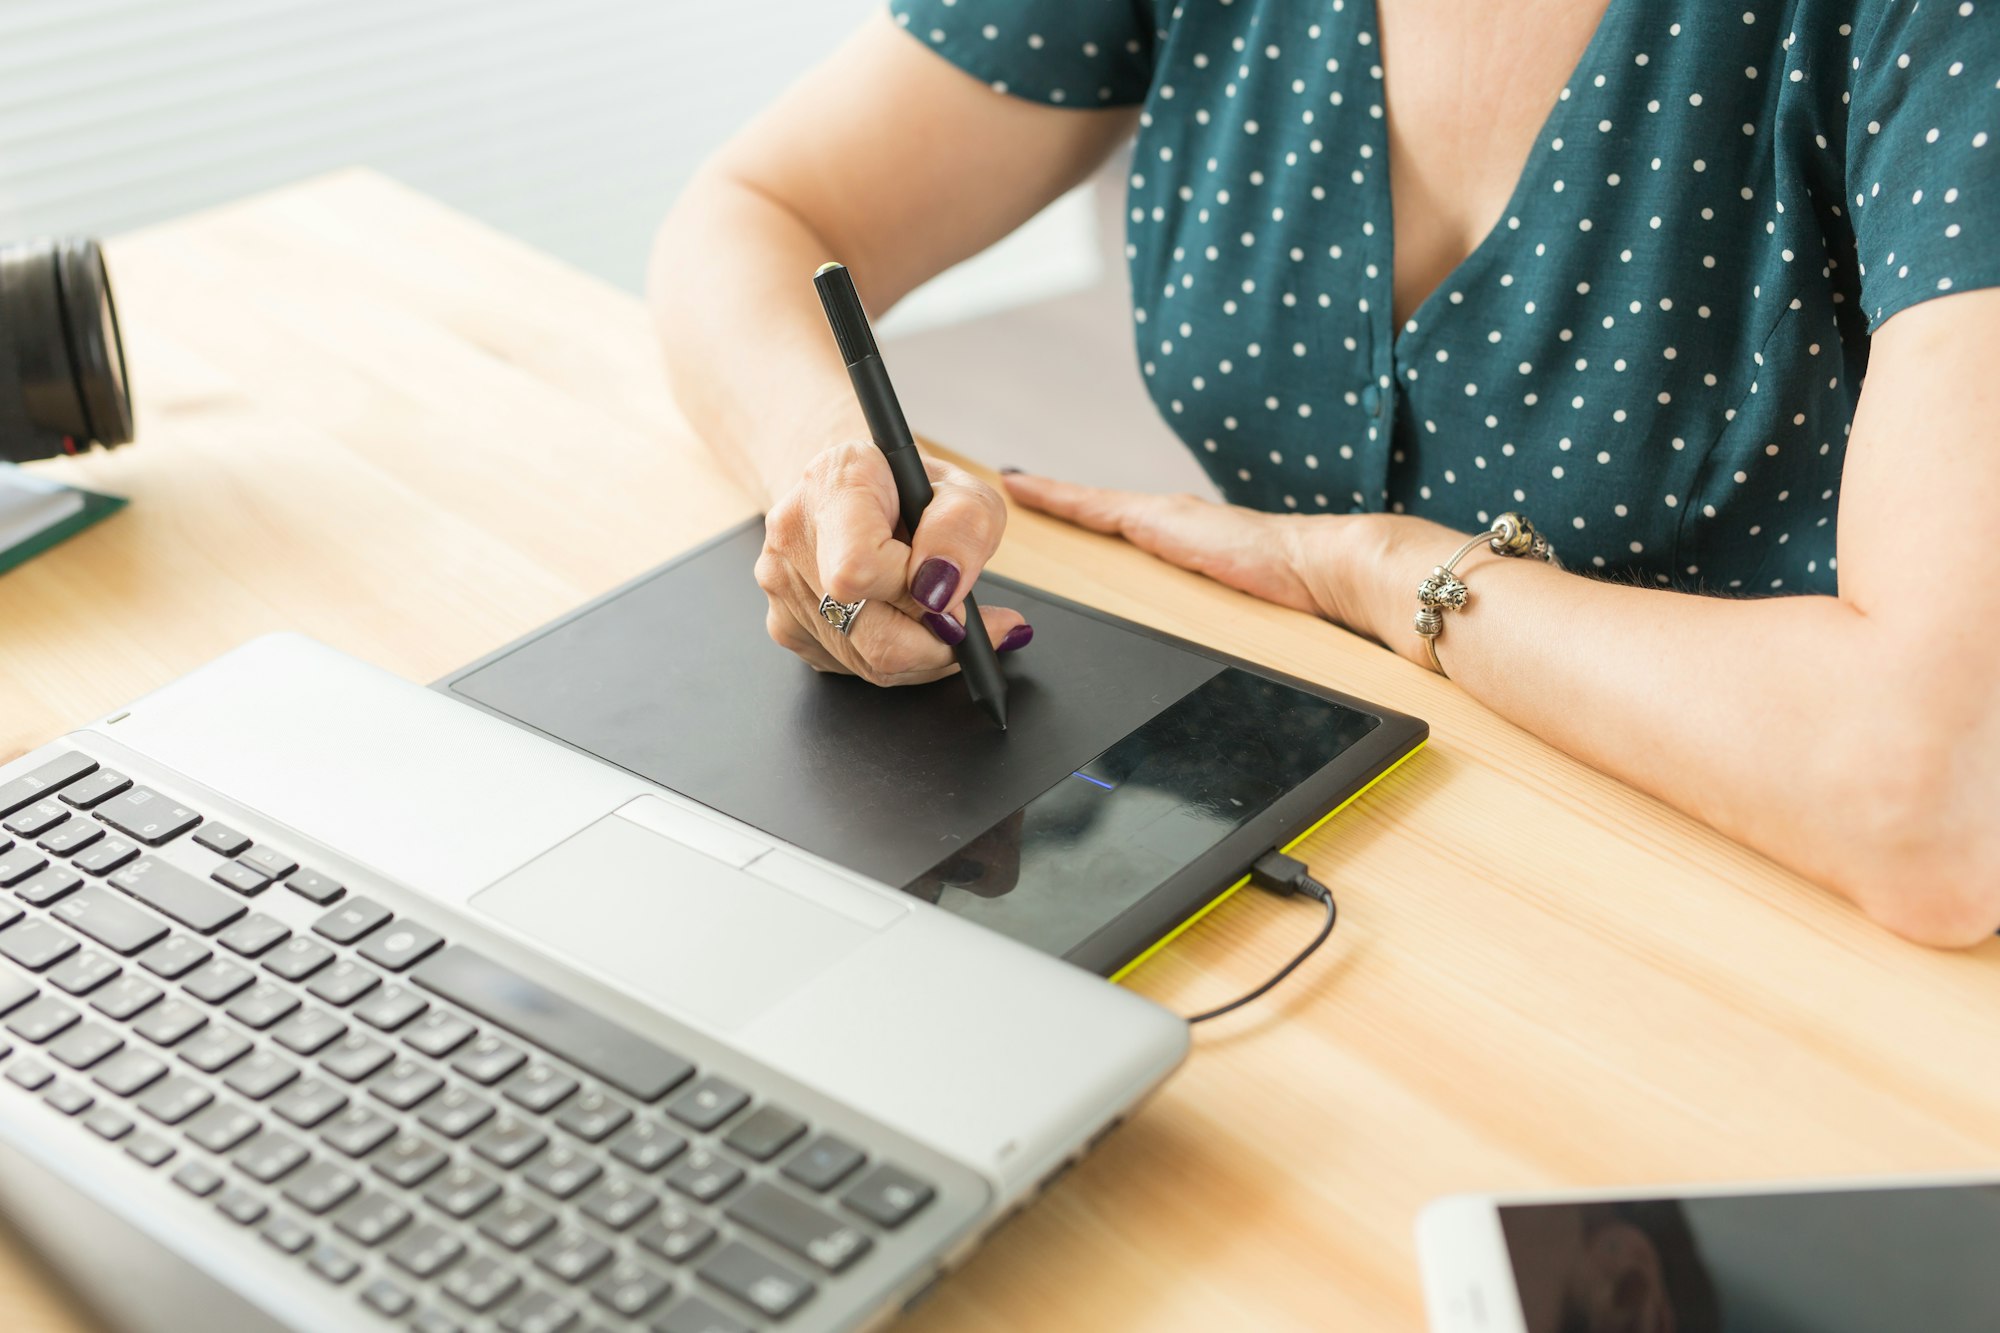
{"points": [[1275, 872]]}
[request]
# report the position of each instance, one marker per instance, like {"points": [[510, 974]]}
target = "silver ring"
{"points": [[840, 615]]}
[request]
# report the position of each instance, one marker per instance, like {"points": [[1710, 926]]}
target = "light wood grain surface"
{"points": [[366, 418]]}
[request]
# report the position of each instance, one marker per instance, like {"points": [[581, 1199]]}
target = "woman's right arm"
{"points": [[898, 165]]}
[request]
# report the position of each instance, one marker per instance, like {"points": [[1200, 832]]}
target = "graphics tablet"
{"points": [[1139, 777]]}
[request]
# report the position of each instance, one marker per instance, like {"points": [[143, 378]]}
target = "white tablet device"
{"points": [[1838, 1256]]}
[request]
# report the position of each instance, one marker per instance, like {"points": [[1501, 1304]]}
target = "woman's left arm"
{"points": [[1855, 738]]}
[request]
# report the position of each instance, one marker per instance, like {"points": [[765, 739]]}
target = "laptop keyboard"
{"points": [[449, 1139]]}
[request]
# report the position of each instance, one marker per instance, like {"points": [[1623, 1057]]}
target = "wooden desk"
{"points": [[367, 418]]}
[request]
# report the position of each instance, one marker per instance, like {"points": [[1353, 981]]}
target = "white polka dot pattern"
{"points": [[1657, 350]]}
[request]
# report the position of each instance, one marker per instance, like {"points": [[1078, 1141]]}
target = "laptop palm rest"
{"points": [[702, 939]]}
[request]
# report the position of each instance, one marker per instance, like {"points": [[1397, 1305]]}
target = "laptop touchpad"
{"points": [[696, 936]]}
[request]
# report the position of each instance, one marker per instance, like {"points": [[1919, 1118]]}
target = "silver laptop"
{"points": [[331, 1003]]}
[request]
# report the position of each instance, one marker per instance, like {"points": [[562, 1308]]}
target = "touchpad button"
{"points": [[703, 940]]}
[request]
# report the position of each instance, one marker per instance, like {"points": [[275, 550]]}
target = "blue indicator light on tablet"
{"points": [[1095, 781]]}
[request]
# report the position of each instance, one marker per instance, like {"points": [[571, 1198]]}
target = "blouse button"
{"points": [[1371, 401]]}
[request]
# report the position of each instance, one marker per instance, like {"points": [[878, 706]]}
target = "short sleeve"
{"points": [[1923, 167], [1072, 53]]}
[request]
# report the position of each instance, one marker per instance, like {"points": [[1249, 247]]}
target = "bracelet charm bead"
{"points": [[1511, 535]]}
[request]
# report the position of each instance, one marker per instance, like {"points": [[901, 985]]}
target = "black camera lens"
{"points": [[62, 361]]}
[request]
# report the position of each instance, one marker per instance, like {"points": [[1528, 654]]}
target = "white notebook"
{"points": [[36, 513]]}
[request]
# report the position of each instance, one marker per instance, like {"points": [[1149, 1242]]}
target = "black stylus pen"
{"points": [[976, 658]]}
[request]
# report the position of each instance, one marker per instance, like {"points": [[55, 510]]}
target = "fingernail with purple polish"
{"points": [[936, 581], [1016, 639], [947, 629]]}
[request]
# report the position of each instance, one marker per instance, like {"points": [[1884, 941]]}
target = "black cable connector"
{"points": [[1275, 872]]}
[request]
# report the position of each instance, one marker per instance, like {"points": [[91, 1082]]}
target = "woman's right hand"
{"points": [[835, 533]]}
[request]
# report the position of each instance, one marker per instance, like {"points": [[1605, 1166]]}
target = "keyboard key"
{"points": [[37, 944], [269, 1156], [15, 991], [572, 1254], [308, 1031], [400, 946], [99, 786], [803, 1228], [592, 1116], [426, 1251], [85, 1044], [31, 787], [619, 1202], [390, 1006], [41, 1020], [221, 839], [343, 983], [286, 1233], [263, 1005], [357, 1131], [213, 1048], [647, 1146], [481, 1284], [387, 1299], [106, 856], [372, 1218], [439, 1034], [143, 814], [761, 1283], [175, 956], [297, 958], [241, 1207], [315, 887], [198, 906], [889, 1196], [676, 1235], [560, 1173], [174, 1099], [509, 1142], [457, 1112], [246, 880], [72, 837], [321, 1187], [82, 973], [462, 1191], [708, 1103], [262, 1074], [221, 1127], [355, 1057], [516, 1223], [9, 914], [405, 1083], [254, 934], [488, 1060], [332, 1263], [107, 1123], [48, 886], [704, 1177], [624, 1059], [167, 1023], [630, 1289], [539, 1087], [69, 1099], [410, 1160], [346, 924], [537, 1312], [273, 863], [37, 819], [109, 919], [824, 1163], [149, 1148], [309, 1101], [128, 1072], [198, 1179], [125, 997], [30, 1074], [20, 862], [695, 1315], [765, 1132]]}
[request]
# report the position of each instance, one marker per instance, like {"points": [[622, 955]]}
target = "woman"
{"points": [[1634, 263]]}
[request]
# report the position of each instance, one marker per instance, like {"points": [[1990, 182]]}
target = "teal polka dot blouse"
{"points": [[1657, 351]]}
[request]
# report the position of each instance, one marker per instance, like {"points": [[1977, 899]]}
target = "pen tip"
{"points": [[828, 267], [995, 709]]}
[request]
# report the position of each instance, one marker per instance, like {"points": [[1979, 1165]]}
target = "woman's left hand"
{"points": [[1329, 565]]}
